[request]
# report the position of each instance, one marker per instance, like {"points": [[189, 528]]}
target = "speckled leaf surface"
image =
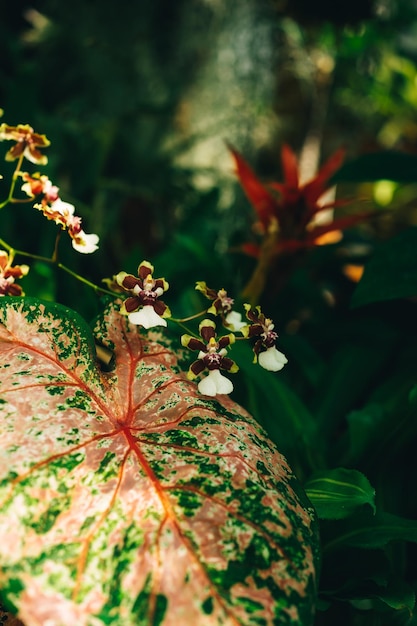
{"points": [[129, 499]]}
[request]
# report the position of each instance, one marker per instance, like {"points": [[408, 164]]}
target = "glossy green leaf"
{"points": [[279, 410], [7, 619], [358, 575], [391, 272], [360, 357], [368, 530], [337, 493], [398, 595], [388, 165], [127, 498]]}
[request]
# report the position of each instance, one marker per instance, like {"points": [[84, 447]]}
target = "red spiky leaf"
{"points": [[264, 203], [314, 189]]}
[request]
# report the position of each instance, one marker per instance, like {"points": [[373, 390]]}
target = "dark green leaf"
{"points": [[279, 410], [360, 357], [372, 531], [337, 493], [391, 272], [389, 165], [307, 359], [398, 595]]}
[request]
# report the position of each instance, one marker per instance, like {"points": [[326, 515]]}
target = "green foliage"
{"points": [[396, 166], [391, 272], [337, 493]]}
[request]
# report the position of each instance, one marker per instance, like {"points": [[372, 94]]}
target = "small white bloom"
{"points": [[215, 383], [85, 243], [26, 188], [63, 208], [272, 359], [234, 321], [146, 317]]}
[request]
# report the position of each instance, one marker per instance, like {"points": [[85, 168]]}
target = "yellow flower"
{"points": [[27, 143]]}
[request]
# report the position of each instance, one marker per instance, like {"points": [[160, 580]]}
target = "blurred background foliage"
{"points": [[139, 100]]}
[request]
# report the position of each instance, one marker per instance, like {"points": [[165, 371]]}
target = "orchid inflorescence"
{"points": [[143, 304], [27, 145], [144, 308]]}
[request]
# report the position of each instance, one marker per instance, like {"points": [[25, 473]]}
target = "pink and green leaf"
{"points": [[127, 498]]}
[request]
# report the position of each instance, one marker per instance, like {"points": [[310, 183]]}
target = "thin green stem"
{"points": [[29, 255], [61, 266], [5, 245], [179, 322], [21, 200], [188, 319], [13, 184], [97, 288], [55, 252]]}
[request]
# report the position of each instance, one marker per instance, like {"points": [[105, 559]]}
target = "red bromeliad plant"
{"points": [[128, 498], [287, 219]]}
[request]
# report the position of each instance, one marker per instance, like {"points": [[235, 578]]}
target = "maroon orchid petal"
{"points": [[196, 344], [211, 293], [37, 155], [258, 347], [226, 363], [144, 270], [262, 201], [159, 307], [207, 332], [39, 140], [17, 150], [197, 367], [255, 330], [129, 282], [252, 315], [131, 304], [16, 272], [223, 342], [160, 283], [10, 289]]}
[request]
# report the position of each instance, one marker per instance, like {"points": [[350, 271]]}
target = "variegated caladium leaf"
{"points": [[129, 499], [7, 619]]}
